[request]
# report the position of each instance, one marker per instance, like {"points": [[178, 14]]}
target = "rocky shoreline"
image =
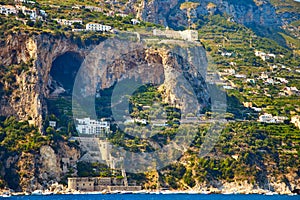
{"points": [[228, 188]]}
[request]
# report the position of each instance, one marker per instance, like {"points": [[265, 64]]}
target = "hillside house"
{"points": [[228, 54], [264, 76], [27, 11], [94, 8], [291, 91], [264, 56], [256, 109], [121, 15], [268, 118], [296, 120], [282, 80], [67, 22], [250, 80], [189, 35], [8, 10], [230, 71], [135, 21], [97, 27], [240, 76], [52, 124], [269, 81], [92, 127]]}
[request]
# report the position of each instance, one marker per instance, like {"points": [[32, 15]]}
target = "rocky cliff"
{"points": [[29, 87], [29, 59], [26, 61], [258, 12]]}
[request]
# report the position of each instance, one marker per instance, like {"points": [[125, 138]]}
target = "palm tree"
{"points": [[189, 6]]}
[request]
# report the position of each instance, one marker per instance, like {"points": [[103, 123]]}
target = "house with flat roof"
{"points": [[296, 120], [97, 27], [8, 10], [67, 22], [87, 126]]}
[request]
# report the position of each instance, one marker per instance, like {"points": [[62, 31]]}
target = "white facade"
{"points": [[268, 118], [296, 120], [135, 21], [52, 124], [8, 10], [97, 27], [264, 56], [68, 22], [189, 35], [92, 127]]}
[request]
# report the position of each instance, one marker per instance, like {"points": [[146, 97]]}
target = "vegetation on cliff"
{"points": [[247, 150]]}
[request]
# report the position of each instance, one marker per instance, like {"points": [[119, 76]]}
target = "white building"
{"points": [[291, 91], [8, 10], [189, 35], [250, 80], [67, 22], [159, 123], [52, 124], [264, 56], [264, 76], [94, 8], [296, 120], [141, 121], [97, 27], [230, 71], [135, 21], [256, 109], [228, 54], [240, 76], [268, 118], [121, 15], [282, 80], [27, 11], [92, 127], [269, 81]]}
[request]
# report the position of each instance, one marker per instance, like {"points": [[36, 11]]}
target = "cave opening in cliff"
{"points": [[63, 72]]}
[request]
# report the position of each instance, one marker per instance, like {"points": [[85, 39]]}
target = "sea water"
{"points": [[156, 197]]}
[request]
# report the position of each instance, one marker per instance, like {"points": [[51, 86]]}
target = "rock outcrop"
{"points": [[257, 12], [36, 52]]}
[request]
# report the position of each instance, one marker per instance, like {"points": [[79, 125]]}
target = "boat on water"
{"points": [[167, 192], [47, 192], [228, 193], [271, 193], [37, 192], [155, 192], [205, 192], [6, 195], [192, 192], [126, 192]]}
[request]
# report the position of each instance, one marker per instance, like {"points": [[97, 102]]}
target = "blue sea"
{"points": [[156, 197]]}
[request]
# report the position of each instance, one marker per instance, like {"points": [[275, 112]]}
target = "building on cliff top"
{"points": [[189, 35]]}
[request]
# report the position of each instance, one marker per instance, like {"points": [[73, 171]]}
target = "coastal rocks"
{"points": [[27, 171], [50, 166]]}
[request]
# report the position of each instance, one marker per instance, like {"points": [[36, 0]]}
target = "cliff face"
{"points": [[257, 12], [28, 61], [162, 66], [31, 171], [37, 52], [28, 87]]}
